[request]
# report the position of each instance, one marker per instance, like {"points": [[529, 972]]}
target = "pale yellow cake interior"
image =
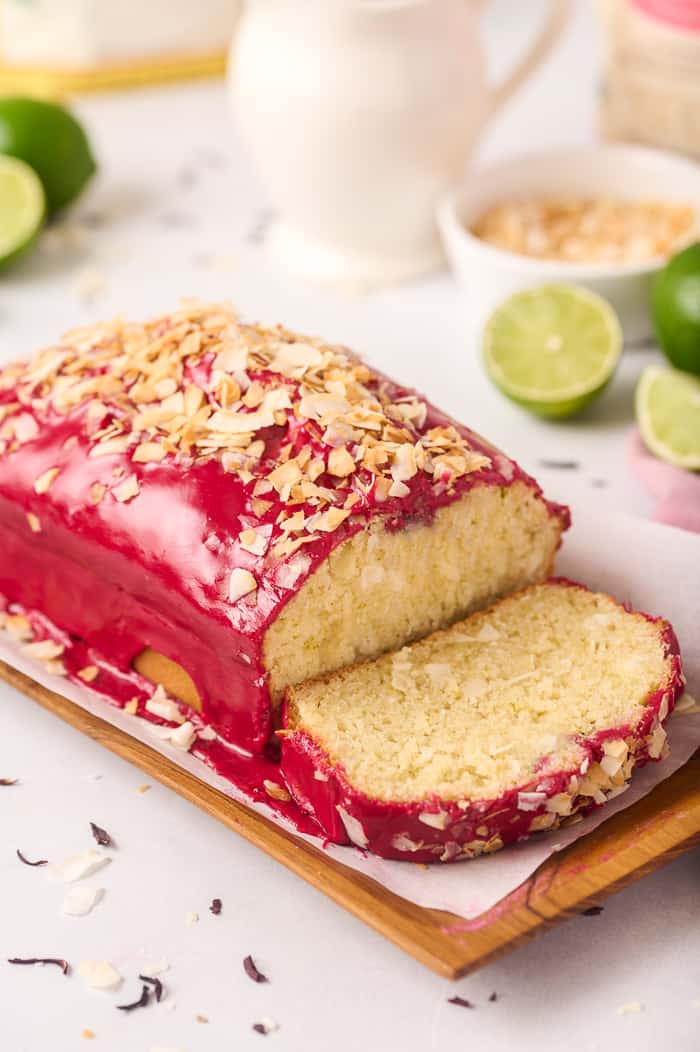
{"points": [[469, 712], [382, 589]]}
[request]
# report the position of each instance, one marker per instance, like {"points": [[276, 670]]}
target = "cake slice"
{"points": [[232, 509], [512, 721]]}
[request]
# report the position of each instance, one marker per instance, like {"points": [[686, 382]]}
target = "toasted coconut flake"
{"points": [[630, 1008], [149, 453], [656, 742], [80, 900], [398, 489], [531, 801], [256, 541], [353, 827], [44, 482], [686, 705], [110, 447], [100, 975], [184, 736], [43, 650], [18, 626], [275, 790], [33, 520], [164, 707], [25, 428], [97, 492], [126, 490], [78, 867], [340, 462], [241, 583], [89, 674], [330, 520], [436, 819]]}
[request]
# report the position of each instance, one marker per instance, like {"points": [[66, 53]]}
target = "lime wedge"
{"points": [[22, 208], [552, 349], [668, 413]]}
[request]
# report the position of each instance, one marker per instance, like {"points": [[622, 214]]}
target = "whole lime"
{"points": [[48, 138], [675, 304]]}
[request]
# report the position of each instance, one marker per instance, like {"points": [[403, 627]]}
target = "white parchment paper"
{"points": [[654, 567]]}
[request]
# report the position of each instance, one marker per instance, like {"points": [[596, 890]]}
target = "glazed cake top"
{"points": [[278, 446]]}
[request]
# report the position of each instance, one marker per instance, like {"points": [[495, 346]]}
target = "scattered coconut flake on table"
{"points": [[100, 975], [79, 866], [80, 900], [630, 1008], [90, 283]]}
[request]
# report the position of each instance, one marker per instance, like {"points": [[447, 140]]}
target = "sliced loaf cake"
{"points": [[512, 721], [234, 508]]}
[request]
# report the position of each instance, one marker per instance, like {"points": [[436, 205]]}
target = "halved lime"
{"points": [[22, 208], [552, 349], [668, 413]]}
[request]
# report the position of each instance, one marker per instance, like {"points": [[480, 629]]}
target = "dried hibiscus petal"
{"points": [[101, 835], [253, 972], [8, 781], [58, 961], [39, 861], [215, 907], [461, 1001], [155, 983], [141, 1003]]}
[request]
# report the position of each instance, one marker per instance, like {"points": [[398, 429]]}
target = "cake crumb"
{"points": [[90, 283], [88, 1034], [143, 788], [201, 1019], [630, 1008]]}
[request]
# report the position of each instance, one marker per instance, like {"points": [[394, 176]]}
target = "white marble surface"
{"points": [[174, 212]]}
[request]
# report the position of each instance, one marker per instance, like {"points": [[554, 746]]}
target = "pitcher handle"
{"points": [[559, 11]]}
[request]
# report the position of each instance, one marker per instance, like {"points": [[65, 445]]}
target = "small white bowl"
{"points": [[490, 274]]}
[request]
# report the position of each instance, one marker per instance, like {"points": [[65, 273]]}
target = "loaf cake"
{"points": [[233, 509], [515, 720]]}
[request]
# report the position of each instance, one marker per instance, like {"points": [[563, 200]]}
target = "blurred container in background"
{"points": [[49, 46], [651, 90]]}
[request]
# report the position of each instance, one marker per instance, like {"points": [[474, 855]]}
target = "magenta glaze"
{"points": [[115, 686], [154, 571], [303, 761]]}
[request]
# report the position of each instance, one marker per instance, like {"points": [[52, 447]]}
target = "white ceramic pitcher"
{"points": [[359, 115]]}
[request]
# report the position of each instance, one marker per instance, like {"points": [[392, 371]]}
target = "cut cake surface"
{"points": [[509, 722]]}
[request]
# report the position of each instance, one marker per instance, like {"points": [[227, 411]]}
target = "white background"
{"points": [[172, 214]]}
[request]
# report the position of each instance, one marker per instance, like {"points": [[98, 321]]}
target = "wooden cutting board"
{"points": [[626, 847]]}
